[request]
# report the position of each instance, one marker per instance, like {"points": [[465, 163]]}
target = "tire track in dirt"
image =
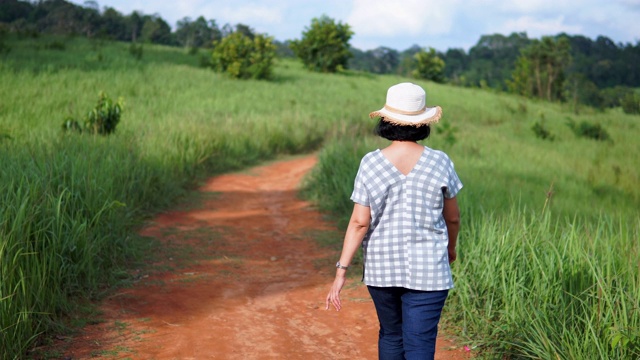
{"points": [[250, 282]]}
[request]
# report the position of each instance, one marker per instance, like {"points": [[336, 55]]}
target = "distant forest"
{"points": [[602, 70]]}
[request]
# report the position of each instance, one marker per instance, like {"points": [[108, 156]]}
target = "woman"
{"points": [[406, 218]]}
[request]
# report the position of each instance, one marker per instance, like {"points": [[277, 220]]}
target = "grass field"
{"points": [[548, 262]]}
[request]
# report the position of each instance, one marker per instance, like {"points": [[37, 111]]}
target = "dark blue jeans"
{"points": [[408, 321]]}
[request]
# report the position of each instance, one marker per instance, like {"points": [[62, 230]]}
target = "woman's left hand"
{"points": [[453, 255], [334, 294]]}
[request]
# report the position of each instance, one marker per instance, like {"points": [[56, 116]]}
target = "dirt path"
{"points": [[251, 285]]}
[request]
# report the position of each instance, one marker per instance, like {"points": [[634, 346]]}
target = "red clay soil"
{"points": [[244, 280]]}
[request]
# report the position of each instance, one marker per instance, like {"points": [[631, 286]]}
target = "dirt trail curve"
{"points": [[256, 290]]}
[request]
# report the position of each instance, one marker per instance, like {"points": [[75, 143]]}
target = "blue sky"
{"points": [[403, 23]]}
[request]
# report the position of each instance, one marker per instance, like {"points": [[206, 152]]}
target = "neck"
{"points": [[404, 143]]}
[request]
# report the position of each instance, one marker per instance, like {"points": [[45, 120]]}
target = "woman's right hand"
{"points": [[333, 298], [356, 230]]}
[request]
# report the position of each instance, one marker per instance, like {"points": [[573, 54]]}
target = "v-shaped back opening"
{"points": [[406, 168]]}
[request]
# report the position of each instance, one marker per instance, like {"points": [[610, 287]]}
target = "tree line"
{"points": [[64, 18], [574, 69]]}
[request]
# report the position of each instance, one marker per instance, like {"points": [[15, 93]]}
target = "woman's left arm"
{"points": [[451, 213]]}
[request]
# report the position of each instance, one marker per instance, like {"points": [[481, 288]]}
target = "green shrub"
{"points": [[56, 45], [589, 130], [324, 46], [244, 57], [542, 132], [612, 97], [102, 119], [136, 50], [428, 66], [205, 61], [448, 133], [4, 48], [631, 103]]}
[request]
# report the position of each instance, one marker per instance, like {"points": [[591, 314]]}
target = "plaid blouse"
{"points": [[406, 244]]}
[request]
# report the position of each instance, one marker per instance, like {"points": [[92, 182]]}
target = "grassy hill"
{"points": [[549, 248]]}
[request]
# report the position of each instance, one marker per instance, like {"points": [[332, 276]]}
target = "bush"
{"points": [[448, 133], [4, 136], [102, 119], [324, 46], [612, 97], [631, 103], [542, 132], [136, 50], [429, 66], [244, 57], [56, 45], [4, 48], [589, 130]]}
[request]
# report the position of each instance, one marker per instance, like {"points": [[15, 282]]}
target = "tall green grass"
{"points": [[548, 251], [534, 286], [531, 281], [70, 203]]}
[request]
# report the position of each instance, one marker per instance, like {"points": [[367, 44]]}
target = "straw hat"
{"points": [[406, 105]]}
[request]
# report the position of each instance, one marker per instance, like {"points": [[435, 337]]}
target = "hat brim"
{"points": [[428, 116]]}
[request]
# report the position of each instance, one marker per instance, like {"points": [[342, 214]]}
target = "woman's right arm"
{"points": [[451, 213], [356, 230]]}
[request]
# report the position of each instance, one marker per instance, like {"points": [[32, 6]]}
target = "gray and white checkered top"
{"points": [[406, 244]]}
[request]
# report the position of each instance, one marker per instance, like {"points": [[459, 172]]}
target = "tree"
{"points": [[156, 30], [428, 66], [381, 60], [555, 57], [456, 61], [243, 57], [283, 50], [385, 60], [631, 103], [60, 17], [245, 30], [134, 24], [579, 90], [90, 18], [407, 61], [198, 33], [324, 46], [113, 24], [184, 33], [521, 80], [540, 68], [492, 59], [12, 10]]}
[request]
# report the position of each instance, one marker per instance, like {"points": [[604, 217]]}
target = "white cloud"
{"points": [[630, 3], [251, 14], [617, 20], [538, 6], [410, 17], [400, 23], [536, 27], [186, 8]]}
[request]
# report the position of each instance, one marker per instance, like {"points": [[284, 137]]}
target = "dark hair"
{"points": [[395, 132]]}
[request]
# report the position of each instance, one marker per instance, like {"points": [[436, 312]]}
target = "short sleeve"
{"points": [[453, 184], [360, 194]]}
